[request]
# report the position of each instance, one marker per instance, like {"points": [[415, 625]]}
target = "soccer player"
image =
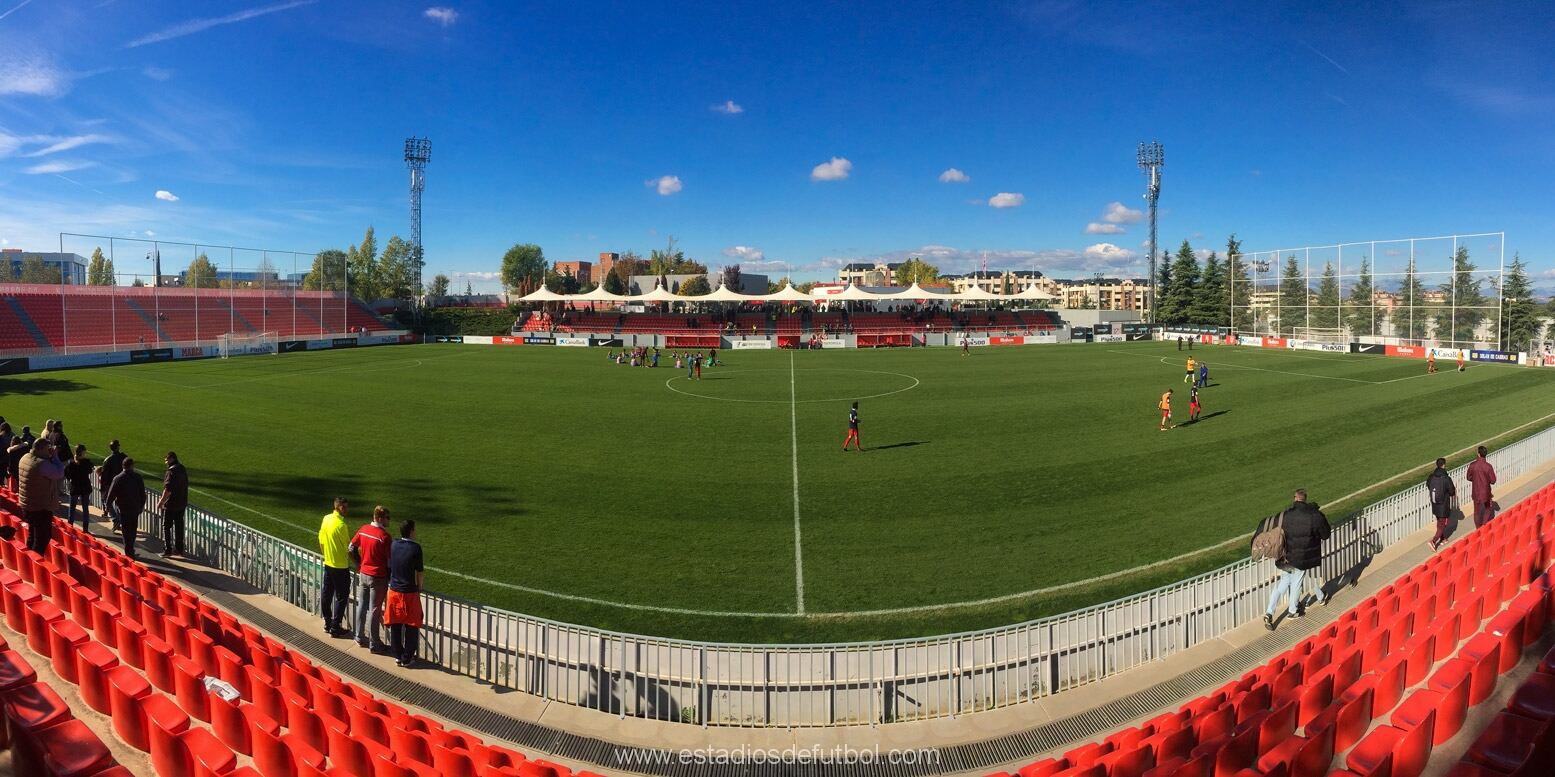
{"points": [[1430, 362], [853, 430], [1193, 404], [696, 361], [1203, 375], [1188, 378], [1460, 360], [1166, 409], [966, 347]]}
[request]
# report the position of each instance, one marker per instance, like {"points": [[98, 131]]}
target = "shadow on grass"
{"points": [[899, 445], [39, 386], [431, 500]]}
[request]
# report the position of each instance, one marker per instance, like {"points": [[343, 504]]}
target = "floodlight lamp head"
{"points": [[418, 151]]}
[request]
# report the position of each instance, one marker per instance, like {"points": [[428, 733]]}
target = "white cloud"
{"points": [[666, 185], [954, 176], [1109, 255], [1057, 262], [58, 144], [1094, 228], [474, 275], [1007, 200], [200, 25], [166, 196], [60, 166], [1118, 213], [746, 254], [729, 107], [442, 15], [31, 75], [835, 170], [156, 73], [149, 233]]}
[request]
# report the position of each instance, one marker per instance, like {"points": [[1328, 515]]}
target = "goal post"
{"points": [[1321, 334], [230, 345]]}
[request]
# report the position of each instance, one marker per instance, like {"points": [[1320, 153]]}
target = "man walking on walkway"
{"points": [[402, 610], [126, 497], [1441, 490], [1305, 528], [333, 539], [39, 474], [370, 549], [173, 503], [112, 466], [1483, 476]]}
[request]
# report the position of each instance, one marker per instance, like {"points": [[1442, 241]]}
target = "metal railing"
{"points": [[724, 684]]}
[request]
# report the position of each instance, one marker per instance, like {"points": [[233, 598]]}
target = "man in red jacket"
{"points": [[370, 549], [1483, 476]]}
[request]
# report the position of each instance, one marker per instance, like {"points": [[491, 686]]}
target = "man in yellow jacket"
{"points": [[334, 537]]}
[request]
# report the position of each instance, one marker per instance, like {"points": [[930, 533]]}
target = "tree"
{"points": [[1182, 283], [1209, 303], [35, 270], [1325, 309], [1519, 323], [731, 277], [614, 284], [99, 271], [629, 264], [1239, 287], [915, 270], [366, 280], [328, 272], [663, 262], [397, 270], [695, 286], [438, 286], [202, 274], [1293, 297], [1087, 302], [561, 283], [1363, 316], [523, 267], [1461, 316], [265, 274], [1163, 281], [1409, 314]]}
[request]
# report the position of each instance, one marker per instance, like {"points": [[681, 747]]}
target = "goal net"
{"points": [[230, 345], [1320, 334]]}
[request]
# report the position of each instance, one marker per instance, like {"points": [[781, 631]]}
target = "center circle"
{"points": [[780, 386]]}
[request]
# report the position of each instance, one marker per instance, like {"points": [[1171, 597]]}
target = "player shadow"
{"points": [[1204, 418], [900, 445], [39, 387]]}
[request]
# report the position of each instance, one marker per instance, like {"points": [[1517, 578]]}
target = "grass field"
{"points": [[564, 486]]}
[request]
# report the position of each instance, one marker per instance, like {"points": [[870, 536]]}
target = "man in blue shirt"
{"points": [[402, 610]]}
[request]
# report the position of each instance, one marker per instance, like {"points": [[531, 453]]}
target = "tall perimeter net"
{"points": [[1442, 291]]}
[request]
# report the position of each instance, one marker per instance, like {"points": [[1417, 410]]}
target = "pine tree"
{"points": [[1325, 308], [1293, 297], [1177, 299], [1209, 304], [1239, 287], [1409, 317], [1462, 311], [366, 280], [1362, 315], [1163, 284], [1520, 325], [202, 274], [99, 271]]}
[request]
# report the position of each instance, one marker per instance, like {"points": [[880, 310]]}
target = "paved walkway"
{"points": [[980, 743]]}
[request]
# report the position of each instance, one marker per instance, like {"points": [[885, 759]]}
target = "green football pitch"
{"points": [[1004, 485]]}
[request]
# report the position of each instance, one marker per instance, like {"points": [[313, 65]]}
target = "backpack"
{"points": [[1269, 543]]}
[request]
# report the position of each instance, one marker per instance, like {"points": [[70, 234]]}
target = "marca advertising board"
{"points": [[751, 345], [1275, 342], [573, 342], [506, 340], [146, 355], [1376, 348], [1111, 338], [1500, 357], [1408, 351], [14, 366], [1313, 345]]}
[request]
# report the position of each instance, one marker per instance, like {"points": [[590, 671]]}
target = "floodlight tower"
{"points": [[1151, 160], [418, 151]]}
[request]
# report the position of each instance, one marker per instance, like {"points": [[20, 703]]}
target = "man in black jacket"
{"points": [[110, 469], [173, 502], [1305, 529], [1441, 491], [127, 494]]}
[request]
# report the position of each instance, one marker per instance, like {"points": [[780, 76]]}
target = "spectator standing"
{"points": [[402, 609], [27, 436], [1440, 488], [333, 539], [13, 459], [5, 440], [370, 549], [78, 480], [1482, 476], [39, 474], [56, 437], [1305, 529], [173, 502], [127, 495], [110, 469]]}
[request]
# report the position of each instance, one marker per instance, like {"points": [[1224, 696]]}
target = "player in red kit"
{"points": [[853, 429]]}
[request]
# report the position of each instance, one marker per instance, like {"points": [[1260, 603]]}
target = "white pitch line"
{"points": [[793, 423], [1229, 365]]}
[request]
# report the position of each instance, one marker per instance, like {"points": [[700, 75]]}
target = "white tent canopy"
{"points": [[543, 294], [851, 293], [788, 294], [1032, 292], [914, 292], [599, 294], [721, 294], [659, 294], [976, 293]]}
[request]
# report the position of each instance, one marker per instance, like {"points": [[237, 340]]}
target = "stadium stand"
{"points": [[48, 318], [154, 658], [1372, 694]]}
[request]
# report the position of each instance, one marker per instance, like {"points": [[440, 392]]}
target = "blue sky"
{"points": [[587, 127]]}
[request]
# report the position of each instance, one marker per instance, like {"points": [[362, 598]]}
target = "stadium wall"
{"points": [[756, 685], [199, 350]]}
